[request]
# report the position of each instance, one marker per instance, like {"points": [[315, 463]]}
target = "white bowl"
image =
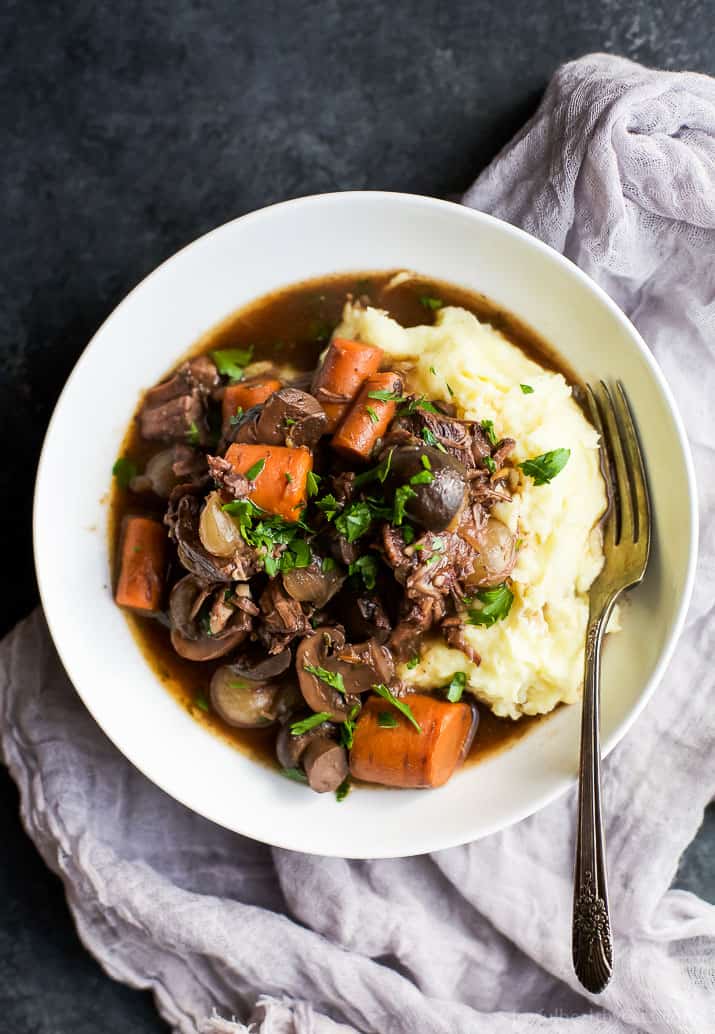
{"points": [[144, 337]]}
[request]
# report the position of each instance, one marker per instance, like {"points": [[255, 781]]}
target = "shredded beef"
{"points": [[282, 618], [226, 478], [453, 629]]}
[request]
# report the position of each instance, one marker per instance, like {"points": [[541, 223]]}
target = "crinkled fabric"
{"points": [[617, 171]]}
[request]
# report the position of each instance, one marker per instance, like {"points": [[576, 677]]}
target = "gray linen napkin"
{"points": [[617, 170]]}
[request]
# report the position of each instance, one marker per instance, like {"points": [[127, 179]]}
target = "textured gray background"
{"points": [[131, 128]]}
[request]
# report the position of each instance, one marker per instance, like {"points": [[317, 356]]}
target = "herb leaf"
{"points": [[545, 467], [253, 472], [489, 464], [402, 495], [354, 521], [456, 687], [425, 477], [496, 605], [488, 427], [526, 389], [401, 706], [378, 473], [386, 396], [413, 662], [343, 790], [328, 564], [386, 720], [124, 470], [236, 418], [366, 566], [329, 505], [298, 728], [313, 484], [347, 728], [331, 678], [231, 361], [296, 774], [429, 439], [193, 435], [431, 303], [375, 419]]}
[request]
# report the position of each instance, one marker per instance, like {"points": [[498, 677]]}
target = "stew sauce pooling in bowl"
{"points": [[293, 529]]}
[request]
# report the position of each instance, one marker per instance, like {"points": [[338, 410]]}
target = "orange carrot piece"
{"points": [[142, 565], [368, 418], [345, 367], [402, 756], [280, 485], [246, 394]]}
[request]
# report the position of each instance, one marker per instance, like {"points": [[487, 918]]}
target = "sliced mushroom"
{"points": [[257, 667], [440, 489], [290, 748], [319, 651], [312, 584], [291, 417], [496, 554], [326, 765], [189, 637]]}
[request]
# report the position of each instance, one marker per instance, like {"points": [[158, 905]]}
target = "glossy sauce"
{"points": [[292, 326]]}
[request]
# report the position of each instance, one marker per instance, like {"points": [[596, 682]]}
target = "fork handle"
{"points": [[592, 946]]}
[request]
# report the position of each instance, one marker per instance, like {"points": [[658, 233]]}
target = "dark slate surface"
{"points": [[130, 129]]}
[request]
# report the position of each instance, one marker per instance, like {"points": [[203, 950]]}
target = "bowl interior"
{"points": [[146, 334]]}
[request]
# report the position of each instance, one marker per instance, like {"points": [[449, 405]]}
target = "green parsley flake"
{"points": [[124, 470], [372, 414], [201, 702], [382, 395], [193, 435], [354, 521], [496, 604], [401, 706], [490, 464], [386, 720], [449, 389], [402, 495], [347, 728], [433, 371], [313, 484], [253, 472], [235, 419], [296, 774], [328, 505], [231, 361], [298, 728], [288, 477], [488, 427], [408, 534], [544, 468], [429, 439], [527, 389], [456, 687], [331, 678], [431, 303], [413, 662], [343, 790], [366, 567], [328, 564]]}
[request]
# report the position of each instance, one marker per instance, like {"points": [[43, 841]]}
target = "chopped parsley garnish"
{"points": [[236, 416], [328, 564], [431, 303], [429, 439], [193, 435], [378, 473], [331, 678], [402, 495], [124, 470], [383, 395], [298, 728], [488, 427], [372, 414], [271, 535], [456, 687], [231, 361], [401, 706], [296, 774], [343, 790], [425, 477], [288, 477], [496, 604], [288, 421], [354, 521], [201, 702], [328, 505], [527, 389], [366, 567], [449, 389], [253, 472], [347, 728], [413, 662], [386, 720], [545, 467], [433, 371], [418, 402], [239, 684], [490, 464], [313, 484], [408, 534]]}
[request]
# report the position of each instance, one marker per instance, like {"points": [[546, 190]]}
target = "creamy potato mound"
{"points": [[533, 659]]}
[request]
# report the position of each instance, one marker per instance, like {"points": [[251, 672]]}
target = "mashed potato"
{"points": [[533, 659]]}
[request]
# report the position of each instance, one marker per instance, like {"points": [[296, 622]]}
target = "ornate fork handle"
{"points": [[592, 946]]}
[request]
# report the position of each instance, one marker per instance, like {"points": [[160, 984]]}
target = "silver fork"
{"points": [[627, 527]]}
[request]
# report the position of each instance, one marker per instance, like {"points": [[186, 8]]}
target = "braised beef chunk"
{"points": [[371, 532]]}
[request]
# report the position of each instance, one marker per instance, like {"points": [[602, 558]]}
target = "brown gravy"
{"points": [[292, 325]]}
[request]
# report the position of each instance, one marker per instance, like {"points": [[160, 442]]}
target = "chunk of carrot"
{"points": [[246, 394], [368, 418], [142, 565], [344, 368], [399, 755], [279, 476]]}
